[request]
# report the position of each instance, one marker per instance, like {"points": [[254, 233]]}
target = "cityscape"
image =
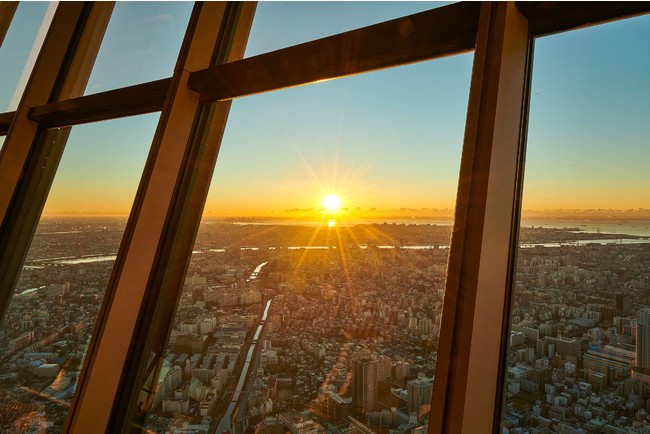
{"points": [[334, 328], [302, 317]]}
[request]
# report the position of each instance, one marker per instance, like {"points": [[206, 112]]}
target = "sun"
{"points": [[331, 202]]}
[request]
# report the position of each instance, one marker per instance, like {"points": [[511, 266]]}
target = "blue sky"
{"points": [[589, 130]]}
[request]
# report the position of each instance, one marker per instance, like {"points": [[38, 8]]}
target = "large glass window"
{"points": [[20, 48], [578, 358], [141, 44], [315, 288], [47, 328]]}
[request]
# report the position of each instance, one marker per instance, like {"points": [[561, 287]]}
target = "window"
{"points": [[317, 277], [19, 49], [576, 338], [48, 325], [141, 44], [136, 317]]}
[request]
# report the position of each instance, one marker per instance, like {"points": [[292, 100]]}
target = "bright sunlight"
{"points": [[331, 202]]}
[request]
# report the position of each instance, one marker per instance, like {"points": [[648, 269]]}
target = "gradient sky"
{"points": [[589, 130], [385, 140]]}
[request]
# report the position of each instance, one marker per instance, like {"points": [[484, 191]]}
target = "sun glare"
{"points": [[331, 202]]}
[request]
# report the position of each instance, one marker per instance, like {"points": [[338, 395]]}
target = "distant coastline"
{"points": [[636, 214], [622, 225]]}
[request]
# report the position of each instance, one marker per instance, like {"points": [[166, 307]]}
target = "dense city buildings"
{"points": [[347, 328], [271, 336], [362, 315], [577, 340]]}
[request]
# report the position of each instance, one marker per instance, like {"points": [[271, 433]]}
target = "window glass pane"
{"points": [[141, 44], [303, 306], [52, 314], [578, 359], [293, 23], [20, 49]]}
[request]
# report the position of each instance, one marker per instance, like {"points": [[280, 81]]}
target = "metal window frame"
{"points": [[158, 239], [484, 239], [31, 154], [477, 298], [7, 12]]}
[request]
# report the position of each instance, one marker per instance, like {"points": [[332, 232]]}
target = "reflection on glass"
{"points": [[141, 44], [52, 314], [20, 49], [578, 358], [315, 288], [293, 23]]}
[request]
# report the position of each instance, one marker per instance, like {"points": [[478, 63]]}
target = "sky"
{"points": [[589, 129], [388, 142]]}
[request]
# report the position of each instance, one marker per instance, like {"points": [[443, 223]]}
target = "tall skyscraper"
{"points": [[419, 393], [623, 304], [365, 390], [385, 364], [642, 365]]}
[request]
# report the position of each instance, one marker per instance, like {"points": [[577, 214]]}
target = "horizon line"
{"points": [[441, 214]]}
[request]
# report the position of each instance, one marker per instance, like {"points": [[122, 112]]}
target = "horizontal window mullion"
{"points": [[546, 18], [129, 101], [424, 36], [5, 121]]}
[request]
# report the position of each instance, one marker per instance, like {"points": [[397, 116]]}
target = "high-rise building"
{"points": [[615, 362], [642, 363], [365, 390], [384, 367], [623, 304], [419, 393], [567, 347]]}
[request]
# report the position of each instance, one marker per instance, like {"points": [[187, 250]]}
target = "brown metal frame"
{"points": [[424, 36], [46, 70], [127, 101], [5, 121], [548, 17], [134, 315], [484, 236], [7, 12], [31, 154], [155, 248]]}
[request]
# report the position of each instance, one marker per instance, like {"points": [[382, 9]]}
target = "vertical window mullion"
{"points": [[30, 154], [484, 237], [7, 11], [118, 351]]}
